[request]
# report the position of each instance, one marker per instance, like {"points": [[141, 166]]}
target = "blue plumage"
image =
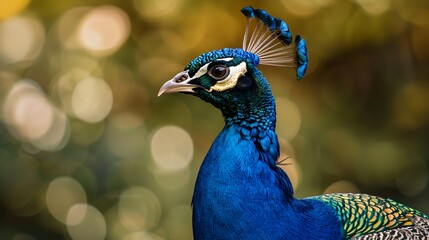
{"points": [[276, 25], [204, 58], [248, 12], [302, 57], [240, 192]]}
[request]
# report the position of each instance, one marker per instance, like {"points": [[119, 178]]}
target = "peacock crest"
{"points": [[271, 41], [267, 41]]}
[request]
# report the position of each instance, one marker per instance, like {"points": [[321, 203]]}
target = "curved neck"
{"points": [[238, 157], [255, 115], [248, 145], [259, 127], [256, 123]]}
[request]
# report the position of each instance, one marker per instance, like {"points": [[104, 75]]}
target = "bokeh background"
{"points": [[88, 151]]}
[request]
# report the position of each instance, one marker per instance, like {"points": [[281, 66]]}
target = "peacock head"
{"points": [[222, 77], [229, 77]]}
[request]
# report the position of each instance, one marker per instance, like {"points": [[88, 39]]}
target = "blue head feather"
{"points": [[248, 12], [276, 25], [205, 58], [302, 57], [266, 18], [284, 34]]}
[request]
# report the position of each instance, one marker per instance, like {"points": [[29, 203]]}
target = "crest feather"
{"points": [[272, 42]]}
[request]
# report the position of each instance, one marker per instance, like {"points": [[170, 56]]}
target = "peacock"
{"points": [[240, 191]]}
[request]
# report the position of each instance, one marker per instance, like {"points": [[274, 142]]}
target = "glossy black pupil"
{"points": [[219, 71]]}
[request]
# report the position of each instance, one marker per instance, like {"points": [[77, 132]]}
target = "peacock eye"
{"points": [[219, 72]]}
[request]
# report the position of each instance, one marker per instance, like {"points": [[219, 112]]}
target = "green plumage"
{"points": [[363, 214]]}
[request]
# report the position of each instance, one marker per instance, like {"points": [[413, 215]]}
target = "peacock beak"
{"points": [[180, 83]]}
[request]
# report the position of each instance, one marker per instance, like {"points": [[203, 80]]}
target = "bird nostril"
{"points": [[181, 78]]}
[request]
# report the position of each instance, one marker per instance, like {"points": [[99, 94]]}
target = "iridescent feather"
{"points": [[369, 217], [419, 231]]}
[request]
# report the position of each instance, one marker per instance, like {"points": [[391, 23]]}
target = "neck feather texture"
{"points": [[248, 148], [246, 153], [241, 193]]}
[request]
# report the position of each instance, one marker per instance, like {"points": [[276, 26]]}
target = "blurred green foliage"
{"points": [[87, 150]]}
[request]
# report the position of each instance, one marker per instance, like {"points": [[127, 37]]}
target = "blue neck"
{"points": [[253, 116], [256, 123], [240, 192], [245, 153], [247, 157]]}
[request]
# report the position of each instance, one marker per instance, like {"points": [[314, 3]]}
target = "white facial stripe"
{"points": [[234, 73], [225, 59], [201, 71]]}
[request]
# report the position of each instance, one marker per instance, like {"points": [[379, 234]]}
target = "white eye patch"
{"points": [[229, 82]]}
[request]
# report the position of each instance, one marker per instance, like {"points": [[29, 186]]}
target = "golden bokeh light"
{"points": [[128, 172], [341, 158], [92, 99], [289, 164], [116, 230], [178, 222], [139, 209], [419, 43], [11, 8], [416, 13], [57, 136], [414, 177], [153, 9], [374, 7], [32, 117], [386, 160], [211, 18], [173, 180], [86, 134], [67, 26], [288, 118], [62, 194], [142, 235], [28, 110], [145, 65], [292, 168], [305, 8], [76, 69], [342, 186], [103, 30], [172, 148], [85, 222], [126, 133], [21, 40], [411, 109]]}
